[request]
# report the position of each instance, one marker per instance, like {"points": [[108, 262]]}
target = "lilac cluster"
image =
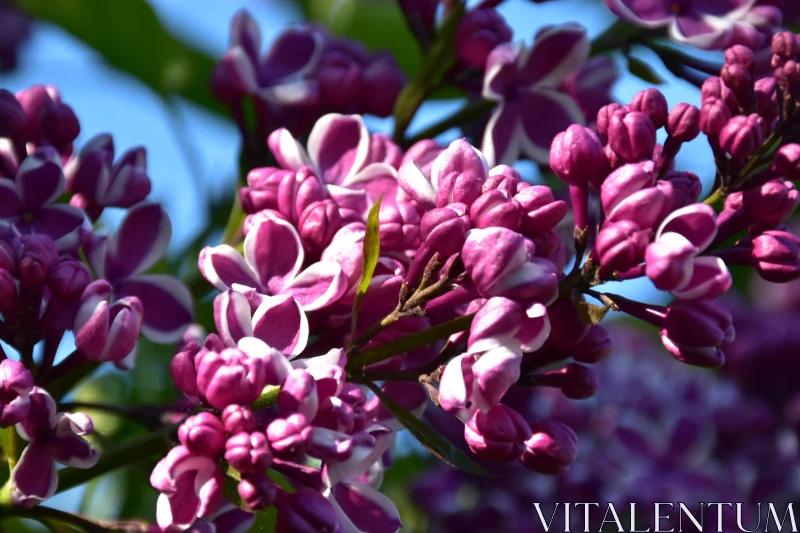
{"points": [[655, 432], [306, 73], [59, 274], [708, 24]]}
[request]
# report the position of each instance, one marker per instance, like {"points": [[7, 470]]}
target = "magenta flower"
{"points": [[709, 24], [271, 266], [139, 243], [52, 438], [25, 201], [526, 82], [16, 383]]}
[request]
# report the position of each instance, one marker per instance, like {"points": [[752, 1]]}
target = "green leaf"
{"points": [[643, 71], [409, 342], [268, 397], [427, 436], [379, 24], [130, 37], [590, 313], [11, 445], [371, 250]]}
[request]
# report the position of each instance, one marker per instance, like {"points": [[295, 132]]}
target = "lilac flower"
{"points": [[525, 81], [52, 438], [271, 266], [103, 331], [16, 383], [24, 201], [710, 24], [139, 243]]}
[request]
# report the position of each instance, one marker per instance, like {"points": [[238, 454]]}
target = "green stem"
{"points": [[472, 110], [615, 37], [158, 443], [715, 198], [44, 515], [416, 340]]}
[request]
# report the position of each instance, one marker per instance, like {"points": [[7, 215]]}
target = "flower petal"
{"points": [[318, 286], [273, 250], [414, 183], [544, 114], [368, 447], [75, 451], [40, 178], [645, 13], [338, 146], [502, 138], [62, 223], [167, 305], [710, 279], [34, 477], [502, 70], [140, 241], [557, 52], [281, 323], [696, 222], [10, 202], [289, 153], [364, 509], [232, 317]]}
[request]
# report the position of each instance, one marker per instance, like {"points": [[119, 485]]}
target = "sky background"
{"points": [[193, 154]]}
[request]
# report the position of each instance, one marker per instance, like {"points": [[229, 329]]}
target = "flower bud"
{"points": [[541, 211], [183, 371], [16, 382], [604, 117], [740, 81], [653, 104], [13, 121], [103, 331], [495, 208], [306, 511], [567, 327], [399, 226], [69, 279], [776, 255], [577, 382], [625, 181], [298, 394], [230, 377], [741, 55], [632, 136], [787, 161], [479, 31], [258, 491], [36, 260], [319, 223], [742, 135], [714, 115], [504, 178], [551, 449], [234, 76], [620, 246], [49, 121], [785, 45], [670, 261], [712, 88], [683, 122], [202, 434], [458, 174], [694, 331], [771, 203], [248, 452], [443, 229], [577, 156], [288, 436], [238, 419], [497, 435], [595, 347], [767, 100]]}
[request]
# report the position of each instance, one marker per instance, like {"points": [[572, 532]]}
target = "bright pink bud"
{"points": [[69, 279], [258, 491], [776, 255], [288, 436], [443, 229], [771, 203], [740, 81], [298, 394], [202, 434], [787, 161], [625, 181], [238, 419], [741, 55], [577, 156], [670, 261], [683, 122], [742, 136], [49, 121], [103, 331], [504, 178], [400, 224], [479, 32], [577, 382], [262, 190], [595, 347], [767, 100], [551, 449], [182, 369], [712, 88], [785, 45], [230, 377], [497, 435], [653, 104], [319, 223], [248, 452], [714, 115], [680, 188], [604, 117], [632, 136], [541, 211], [495, 209], [620, 246]]}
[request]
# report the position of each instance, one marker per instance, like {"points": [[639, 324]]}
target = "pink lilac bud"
{"points": [[458, 174], [624, 182], [787, 161], [182, 369], [497, 435], [234, 76], [443, 229], [741, 55], [771, 203], [567, 327], [551, 449], [595, 347], [238, 419], [577, 382], [288, 436], [789, 77], [680, 188], [670, 261], [495, 208], [305, 511], [13, 121], [541, 211], [478, 33], [683, 122], [632, 136], [620, 247], [319, 223], [202, 434], [258, 492], [767, 100], [776, 255], [714, 115], [248, 452], [742, 135], [714, 87], [423, 153], [694, 331], [298, 394], [577, 156], [262, 190], [49, 121], [504, 178], [653, 104], [740, 81], [103, 331], [785, 45], [230, 377], [36, 260], [16, 382], [604, 117], [399, 226], [69, 279], [9, 297]]}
